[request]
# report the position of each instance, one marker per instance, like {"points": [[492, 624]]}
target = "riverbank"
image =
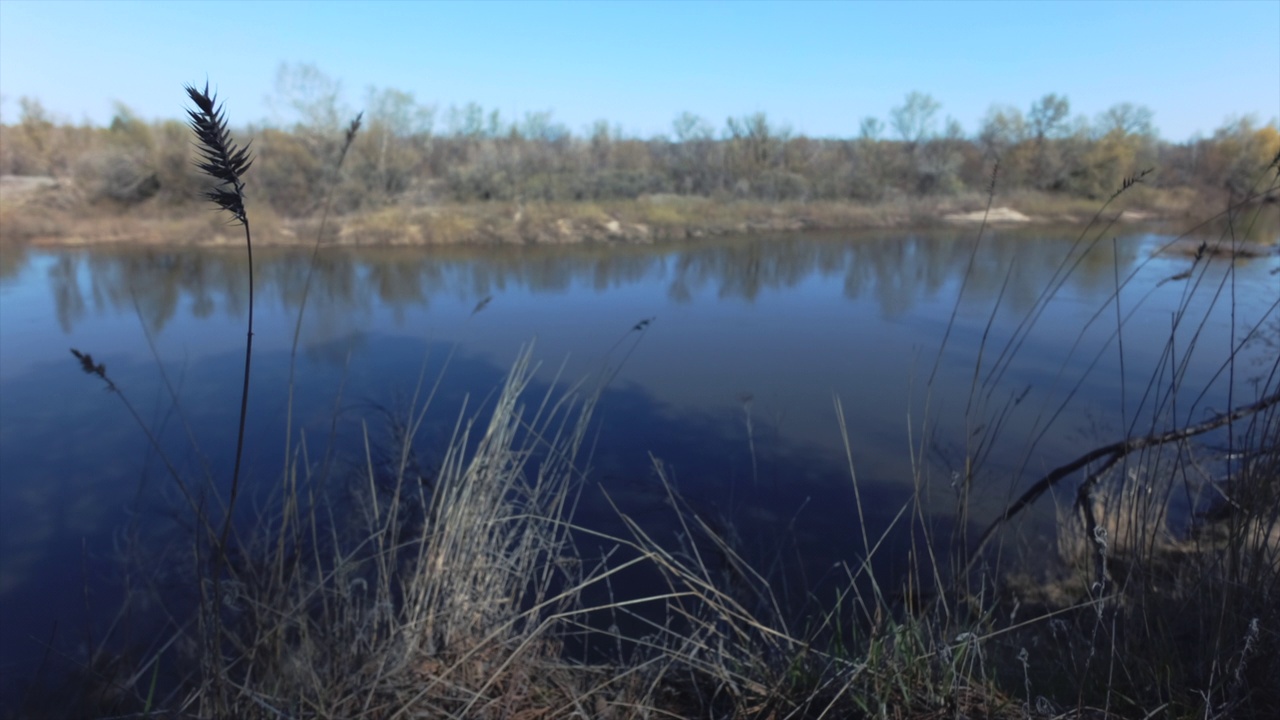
{"points": [[51, 212]]}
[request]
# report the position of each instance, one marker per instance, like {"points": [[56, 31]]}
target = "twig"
{"points": [[1112, 453]]}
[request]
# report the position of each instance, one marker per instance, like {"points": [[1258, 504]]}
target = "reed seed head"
{"points": [[88, 365], [220, 159]]}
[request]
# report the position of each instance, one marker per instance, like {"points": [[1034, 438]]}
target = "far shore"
{"points": [[44, 212]]}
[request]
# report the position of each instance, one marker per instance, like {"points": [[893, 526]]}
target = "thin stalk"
{"points": [[244, 396]]}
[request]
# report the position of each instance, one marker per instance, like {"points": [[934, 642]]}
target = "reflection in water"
{"points": [[897, 271], [67, 297], [731, 385]]}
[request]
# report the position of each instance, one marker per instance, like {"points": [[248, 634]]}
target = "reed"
{"points": [[226, 164]]}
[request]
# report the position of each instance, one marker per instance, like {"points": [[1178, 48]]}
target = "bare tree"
{"points": [[398, 131], [871, 128], [753, 147], [466, 121], [1048, 119], [1002, 129], [689, 127], [914, 119], [695, 166], [1003, 137], [1126, 119], [315, 98], [870, 167]]}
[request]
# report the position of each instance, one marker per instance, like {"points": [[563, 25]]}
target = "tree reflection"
{"points": [[898, 271], [67, 298]]}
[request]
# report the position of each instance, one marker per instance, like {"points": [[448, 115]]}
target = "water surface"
{"points": [[724, 358]]}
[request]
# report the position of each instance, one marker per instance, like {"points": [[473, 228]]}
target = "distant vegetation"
{"points": [[412, 154]]}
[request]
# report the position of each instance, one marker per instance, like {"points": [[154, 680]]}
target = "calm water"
{"points": [[731, 385]]}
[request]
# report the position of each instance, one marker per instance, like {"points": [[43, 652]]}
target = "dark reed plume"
{"points": [[221, 159], [226, 164], [1131, 180], [87, 365]]}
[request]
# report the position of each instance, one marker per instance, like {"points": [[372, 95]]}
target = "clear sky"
{"points": [[817, 67]]}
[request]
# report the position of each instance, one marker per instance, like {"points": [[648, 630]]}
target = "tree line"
{"points": [[410, 152]]}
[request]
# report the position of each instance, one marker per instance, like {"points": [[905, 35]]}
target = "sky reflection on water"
{"points": [[755, 335]]}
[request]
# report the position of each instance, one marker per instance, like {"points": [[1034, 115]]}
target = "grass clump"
{"points": [[431, 595]]}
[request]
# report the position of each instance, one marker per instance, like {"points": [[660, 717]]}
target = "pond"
{"points": [[723, 360]]}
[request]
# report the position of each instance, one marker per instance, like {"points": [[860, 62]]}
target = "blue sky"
{"points": [[816, 67]]}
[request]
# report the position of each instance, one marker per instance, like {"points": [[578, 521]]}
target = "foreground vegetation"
{"points": [[384, 592], [467, 175]]}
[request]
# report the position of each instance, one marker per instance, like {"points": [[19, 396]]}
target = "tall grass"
{"points": [[464, 594], [1151, 618]]}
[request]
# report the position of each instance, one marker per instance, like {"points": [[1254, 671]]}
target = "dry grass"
{"points": [[1147, 617], [436, 599], [22, 225], [651, 218]]}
